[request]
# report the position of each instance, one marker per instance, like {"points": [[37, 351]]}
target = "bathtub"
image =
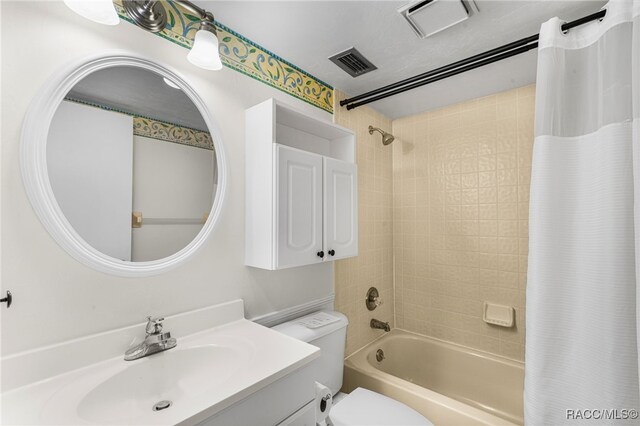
{"points": [[448, 383]]}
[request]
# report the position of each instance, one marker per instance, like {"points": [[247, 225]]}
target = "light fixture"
{"points": [[204, 52], [100, 11], [148, 14], [152, 16], [170, 83]]}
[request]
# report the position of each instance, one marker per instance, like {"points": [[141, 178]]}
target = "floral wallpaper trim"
{"points": [[247, 57], [171, 133], [160, 130]]}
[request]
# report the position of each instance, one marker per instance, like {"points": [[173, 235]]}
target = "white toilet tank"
{"points": [[328, 331]]}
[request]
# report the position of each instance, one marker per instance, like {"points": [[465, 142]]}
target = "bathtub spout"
{"points": [[380, 325]]}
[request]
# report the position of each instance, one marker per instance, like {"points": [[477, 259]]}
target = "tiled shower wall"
{"points": [[460, 216], [374, 264]]}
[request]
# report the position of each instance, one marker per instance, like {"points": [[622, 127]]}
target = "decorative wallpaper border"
{"points": [[168, 132], [160, 130], [247, 57]]}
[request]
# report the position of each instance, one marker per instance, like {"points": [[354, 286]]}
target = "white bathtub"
{"points": [[449, 384]]}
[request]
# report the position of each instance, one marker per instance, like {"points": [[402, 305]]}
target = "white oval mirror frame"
{"points": [[33, 162]]}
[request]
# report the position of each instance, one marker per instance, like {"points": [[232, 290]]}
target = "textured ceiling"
{"points": [[306, 33], [140, 92]]}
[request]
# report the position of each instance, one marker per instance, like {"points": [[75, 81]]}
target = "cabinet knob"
{"points": [[332, 252], [320, 254]]}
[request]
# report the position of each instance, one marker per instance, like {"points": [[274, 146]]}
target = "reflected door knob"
{"points": [[8, 299], [320, 254], [331, 252]]}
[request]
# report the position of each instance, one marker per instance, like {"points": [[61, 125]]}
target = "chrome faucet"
{"points": [[155, 341], [380, 325]]}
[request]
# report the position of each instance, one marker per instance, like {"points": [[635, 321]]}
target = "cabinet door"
{"points": [[340, 209], [306, 416], [299, 204]]}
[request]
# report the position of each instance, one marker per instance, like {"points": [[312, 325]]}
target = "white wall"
{"points": [[57, 298], [170, 181]]}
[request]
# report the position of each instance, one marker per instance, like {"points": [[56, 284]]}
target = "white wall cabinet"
{"points": [[299, 206], [340, 208], [301, 189]]}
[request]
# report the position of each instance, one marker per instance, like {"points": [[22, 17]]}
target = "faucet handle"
{"points": [[154, 325], [373, 299]]}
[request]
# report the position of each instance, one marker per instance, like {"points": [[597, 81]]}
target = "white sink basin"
{"points": [[173, 375], [207, 372]]}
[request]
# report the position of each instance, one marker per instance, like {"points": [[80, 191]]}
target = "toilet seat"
{"points": [[364, 407]]}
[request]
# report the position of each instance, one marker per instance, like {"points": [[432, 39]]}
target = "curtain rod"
{"points": [[490, 56]]}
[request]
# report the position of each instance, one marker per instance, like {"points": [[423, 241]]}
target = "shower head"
{"points": [[387, 138]]}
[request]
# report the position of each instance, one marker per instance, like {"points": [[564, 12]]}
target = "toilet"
{"points": [[328, 331]]}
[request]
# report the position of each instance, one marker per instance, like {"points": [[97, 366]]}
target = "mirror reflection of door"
{"points": [[171, 183], [127, 140], [90, 163]]}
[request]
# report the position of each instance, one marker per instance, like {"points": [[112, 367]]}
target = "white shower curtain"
{"points": [[582, 292]]}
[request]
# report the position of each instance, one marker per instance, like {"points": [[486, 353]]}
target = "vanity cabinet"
{"points": [[301, 189]]}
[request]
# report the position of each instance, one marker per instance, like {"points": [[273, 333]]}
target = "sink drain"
{"points": [[162, 405]]}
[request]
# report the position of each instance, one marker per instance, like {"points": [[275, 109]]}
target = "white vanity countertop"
{"points": [[207, 372]]}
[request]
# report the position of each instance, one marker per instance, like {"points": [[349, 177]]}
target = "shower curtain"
{"points": [[582, 292]]}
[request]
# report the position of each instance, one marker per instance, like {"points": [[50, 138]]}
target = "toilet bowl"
{"points": [[364, 407], [328, 330]]}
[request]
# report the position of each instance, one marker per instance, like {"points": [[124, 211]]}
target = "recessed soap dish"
{"points": [[498, 314]]}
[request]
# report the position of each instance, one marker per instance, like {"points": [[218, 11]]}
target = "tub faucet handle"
{"points": [[373, 299]]}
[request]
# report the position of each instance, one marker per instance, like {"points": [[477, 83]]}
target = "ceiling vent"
{"points": [[352, 62], [428, 17]]}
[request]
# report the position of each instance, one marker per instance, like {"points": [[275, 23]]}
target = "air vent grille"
{"points": [[352, 62]]}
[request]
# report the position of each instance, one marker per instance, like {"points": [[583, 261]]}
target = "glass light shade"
{"points": [[100, 11], [170, 83], [204, 52]]}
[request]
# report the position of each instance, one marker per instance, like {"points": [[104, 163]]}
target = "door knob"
{"points": [[331, 252], [8, 299], [320, 254]]}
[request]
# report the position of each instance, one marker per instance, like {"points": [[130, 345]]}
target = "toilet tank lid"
{"points": [[313, 326]]}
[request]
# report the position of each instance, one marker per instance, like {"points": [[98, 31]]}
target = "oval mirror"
{"points": [[127, 174]]}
